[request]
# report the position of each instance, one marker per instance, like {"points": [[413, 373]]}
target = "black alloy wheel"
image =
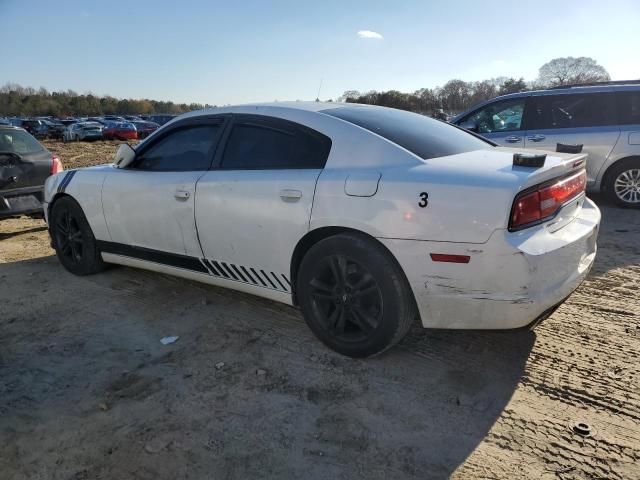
{"points": [[354, 295], [68, 237], [346, 298], [75, 245]]}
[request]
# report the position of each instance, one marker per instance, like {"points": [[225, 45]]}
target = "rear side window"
{"points": [[268, 143], [573, 111], [18, 141], [186, 149], [628, 107], [421, 135]]}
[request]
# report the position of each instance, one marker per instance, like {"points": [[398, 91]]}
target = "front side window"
{"points": [[503, 116], [271, 143], [186, 149]]}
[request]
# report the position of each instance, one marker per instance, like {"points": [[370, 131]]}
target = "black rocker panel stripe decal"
{"points": [[228, 271], [258, 277], [171, 259]]}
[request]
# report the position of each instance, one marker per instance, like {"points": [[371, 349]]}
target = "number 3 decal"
{"points": [[423, 200]]}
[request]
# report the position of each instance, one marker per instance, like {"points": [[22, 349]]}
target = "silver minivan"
{"points": [[604, 118]]}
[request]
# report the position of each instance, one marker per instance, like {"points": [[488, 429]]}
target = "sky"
{"points": [[227, 52]]}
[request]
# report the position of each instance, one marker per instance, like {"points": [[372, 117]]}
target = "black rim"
{"points": [[346, 299], [69, 237]]}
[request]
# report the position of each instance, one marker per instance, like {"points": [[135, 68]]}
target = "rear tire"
{"points": [[354, 296], [623, 184], [73, 239]]}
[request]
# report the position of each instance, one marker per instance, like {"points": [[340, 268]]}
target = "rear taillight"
{"points": [[536, 205], [56, 165]]}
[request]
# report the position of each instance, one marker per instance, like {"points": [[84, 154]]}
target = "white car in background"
{"points": [[365, 217], [82, 131]]}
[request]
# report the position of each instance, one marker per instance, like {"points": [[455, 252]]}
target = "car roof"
{"points": [[602, 87], [574, 89], [10, 127], [247, 108]]}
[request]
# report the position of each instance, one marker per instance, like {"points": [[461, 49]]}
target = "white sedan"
{"points": [[365, 217]]}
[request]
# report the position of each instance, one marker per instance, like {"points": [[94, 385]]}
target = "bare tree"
{"points": [[455, 95], [511, 85], [348, 94], [570, 70]]}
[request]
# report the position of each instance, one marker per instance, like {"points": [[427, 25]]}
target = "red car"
{"points": [[145, 128], [120, 131]]}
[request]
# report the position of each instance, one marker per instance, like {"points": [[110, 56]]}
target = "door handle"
{"points": [[512, 139], [536, 138], [182, 194], [290, 195]]}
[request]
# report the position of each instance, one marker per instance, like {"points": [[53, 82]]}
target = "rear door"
{"points": [[587, 119], [500, 121], [150, 205], [255, 205]]}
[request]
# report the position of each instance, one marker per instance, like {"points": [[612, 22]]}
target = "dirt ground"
{"points": [[87, 390]]}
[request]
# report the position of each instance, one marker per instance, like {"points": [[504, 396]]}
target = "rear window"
{"points": [[258, 143], [423, 136], [18, 141], [629, 107]]}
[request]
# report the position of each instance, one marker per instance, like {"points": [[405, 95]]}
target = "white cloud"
{"points": [[370, 34]]}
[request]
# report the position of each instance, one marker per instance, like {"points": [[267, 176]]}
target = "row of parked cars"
{"points": [[108, 127]]}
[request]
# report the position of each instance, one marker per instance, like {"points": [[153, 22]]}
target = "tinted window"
{"points": [[18, 141], [421, 135], [573, 111], [189, 148], [628, 107], [503, 116], [273, 143]]}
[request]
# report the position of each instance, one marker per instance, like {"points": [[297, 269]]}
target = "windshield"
{"points": [[18, 141], [421, 135]]}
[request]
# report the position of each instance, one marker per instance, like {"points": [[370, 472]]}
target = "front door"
{"points": [[150, 205], [252, 209]]}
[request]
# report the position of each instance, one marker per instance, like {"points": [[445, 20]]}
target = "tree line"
{"points": [[457, 95], [16, 100], [454, 96]]}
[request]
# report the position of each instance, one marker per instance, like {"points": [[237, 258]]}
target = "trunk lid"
{"points": [[497, 163]]}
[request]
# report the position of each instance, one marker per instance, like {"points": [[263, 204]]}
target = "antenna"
{"points": [[319, 88]]}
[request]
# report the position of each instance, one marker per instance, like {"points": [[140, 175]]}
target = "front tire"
{"points": [[73, 239], [623, 184], [354, 296]]}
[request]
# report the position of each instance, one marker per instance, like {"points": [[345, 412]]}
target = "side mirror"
{"points": [[124, 156], [469, 125]]}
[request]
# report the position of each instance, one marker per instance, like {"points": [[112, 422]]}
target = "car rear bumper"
{"points": [[510, 281], [21, 201]]}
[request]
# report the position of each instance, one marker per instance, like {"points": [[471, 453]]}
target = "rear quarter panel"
{"points": [[469, 196]]}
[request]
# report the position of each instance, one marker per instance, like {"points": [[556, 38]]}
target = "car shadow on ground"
{"points": [[618, 244], [7, 235], [246, 391]]}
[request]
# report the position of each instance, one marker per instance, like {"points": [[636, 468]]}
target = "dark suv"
{"points": [[604, 118]]}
